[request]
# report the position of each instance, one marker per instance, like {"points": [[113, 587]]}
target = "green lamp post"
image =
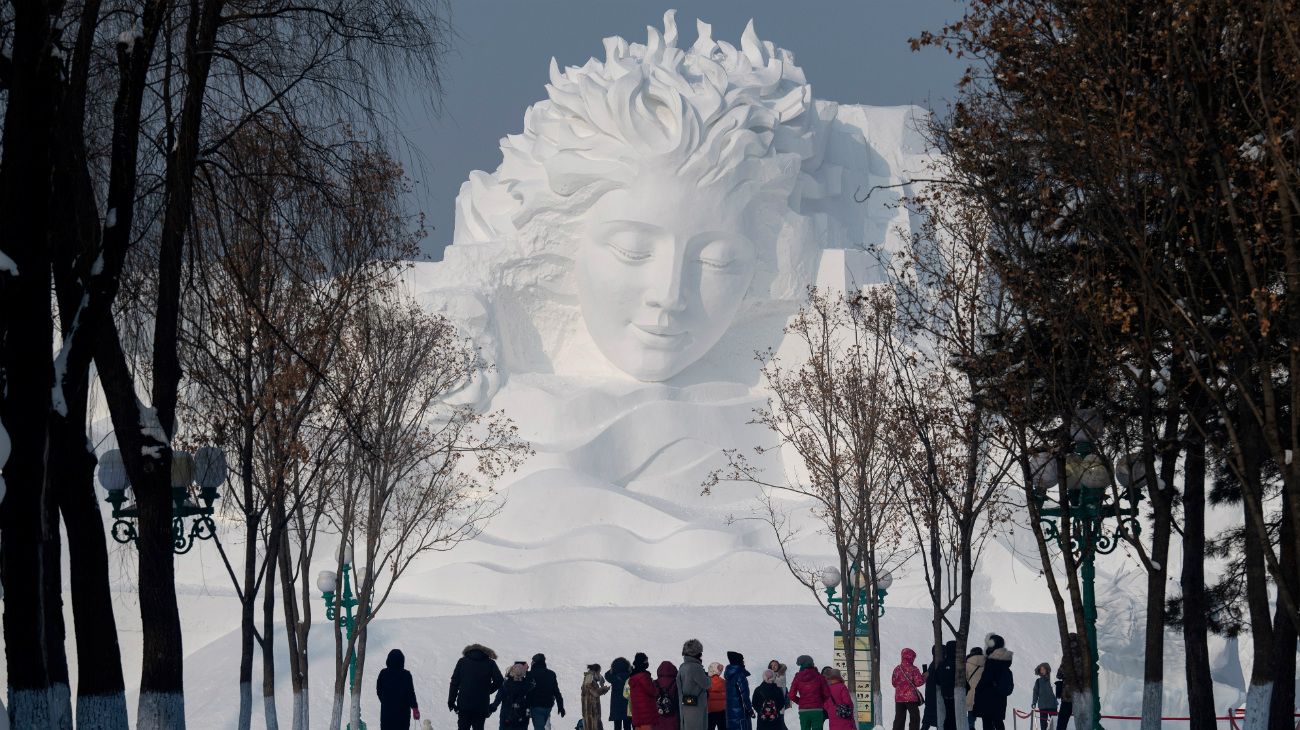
{"points": [[866, 612], [195, 479], [327, 582], [1090, 503]]}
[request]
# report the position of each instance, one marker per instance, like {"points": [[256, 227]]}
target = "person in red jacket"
{"points": [[907, 681], [717, 698], [642, 694], [839, 705], [809, 692]]}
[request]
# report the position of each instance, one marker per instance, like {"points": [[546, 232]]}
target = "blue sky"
{"points": [[852, 51]]}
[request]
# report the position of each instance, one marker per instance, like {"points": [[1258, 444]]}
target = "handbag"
{"points": [[690, 701]]}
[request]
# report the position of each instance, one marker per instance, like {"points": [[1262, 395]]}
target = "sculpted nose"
{"points": [[664, 289]]}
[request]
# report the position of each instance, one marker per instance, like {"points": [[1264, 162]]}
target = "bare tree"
{"points": [[418, 473], [289, 242], [950, 301], [835, 409]]}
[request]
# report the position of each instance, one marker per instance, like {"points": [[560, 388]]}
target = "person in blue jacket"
{"points": [[740, 713]]}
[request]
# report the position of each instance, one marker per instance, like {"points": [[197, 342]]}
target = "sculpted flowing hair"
{"points": [[712, 115]]}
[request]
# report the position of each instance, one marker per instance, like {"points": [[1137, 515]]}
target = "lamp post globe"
{"points": [[831, 577], [327, 581]]}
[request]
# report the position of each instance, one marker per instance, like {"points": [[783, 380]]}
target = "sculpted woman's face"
{"points": [[663, 269]]}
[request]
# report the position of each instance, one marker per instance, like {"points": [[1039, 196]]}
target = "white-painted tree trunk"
{"points": [[45, 708], [300, 718], [1081, 714], [102, 712], [336, 713], [245, 706], [4, 712], [268, 711], [160, 711], [1258, 698], [1153, 698], [959, 706], [355, 714]]}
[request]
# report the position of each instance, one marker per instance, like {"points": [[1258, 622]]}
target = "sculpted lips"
{"points": [[659, 336]]}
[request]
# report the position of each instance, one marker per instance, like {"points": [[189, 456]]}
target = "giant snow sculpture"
{"points": [[656, 222]]}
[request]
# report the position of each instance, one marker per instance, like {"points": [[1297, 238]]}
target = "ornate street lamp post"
{"points": [[864, 615], [1090, 503], [327, 582], [194, 483]]}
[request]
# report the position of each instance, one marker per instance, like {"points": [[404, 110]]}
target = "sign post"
{"points": [[864, 699]]}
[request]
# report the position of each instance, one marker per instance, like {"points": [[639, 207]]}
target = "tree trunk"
{"points": [[291, 629], [354, 712], [1259, 693], [101, 697], [29, 542], [1282, 703], [1161, 493], [1200, 686], [268, 626]]}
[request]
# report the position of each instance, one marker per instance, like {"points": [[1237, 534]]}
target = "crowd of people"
{"points": [[690, 696]]}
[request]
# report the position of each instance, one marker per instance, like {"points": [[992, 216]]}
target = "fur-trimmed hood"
{"points": [[486, 652], [1000, 654]]}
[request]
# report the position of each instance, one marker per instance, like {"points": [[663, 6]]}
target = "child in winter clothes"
{"points": [[809, 691], [717, 698], [839, 703], [907, 680], [768, 701], [1044, 699]]}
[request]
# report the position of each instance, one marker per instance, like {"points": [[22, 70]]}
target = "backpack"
{"points": [[769, 711], [664, 704]]}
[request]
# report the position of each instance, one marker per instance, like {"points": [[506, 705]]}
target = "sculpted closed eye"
{"points": [[625, 252], [721, 254]]}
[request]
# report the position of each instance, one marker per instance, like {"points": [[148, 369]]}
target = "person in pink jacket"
{"points": [[907, 681], [839, 705]]}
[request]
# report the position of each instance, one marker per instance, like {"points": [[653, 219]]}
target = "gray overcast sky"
{"points": [[852, 51]]}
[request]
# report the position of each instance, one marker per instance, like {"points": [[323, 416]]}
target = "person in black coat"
{"points": [[996, 685], [512, 698], [617, 678], [474, 680], [945, 681], [543, 693], [396, 693], [930, 708]]}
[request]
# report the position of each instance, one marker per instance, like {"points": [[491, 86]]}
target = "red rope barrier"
{"points": [[1231, 718]]}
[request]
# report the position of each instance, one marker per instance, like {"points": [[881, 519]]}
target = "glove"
{"points": [[415, 713], [451, 706], [561, 712]]}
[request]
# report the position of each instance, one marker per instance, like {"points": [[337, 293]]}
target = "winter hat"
{"points": [[993, 641], [768, 675], [805, 661], [715, 669], [640, 661], [693, 648], [736, 658]]}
